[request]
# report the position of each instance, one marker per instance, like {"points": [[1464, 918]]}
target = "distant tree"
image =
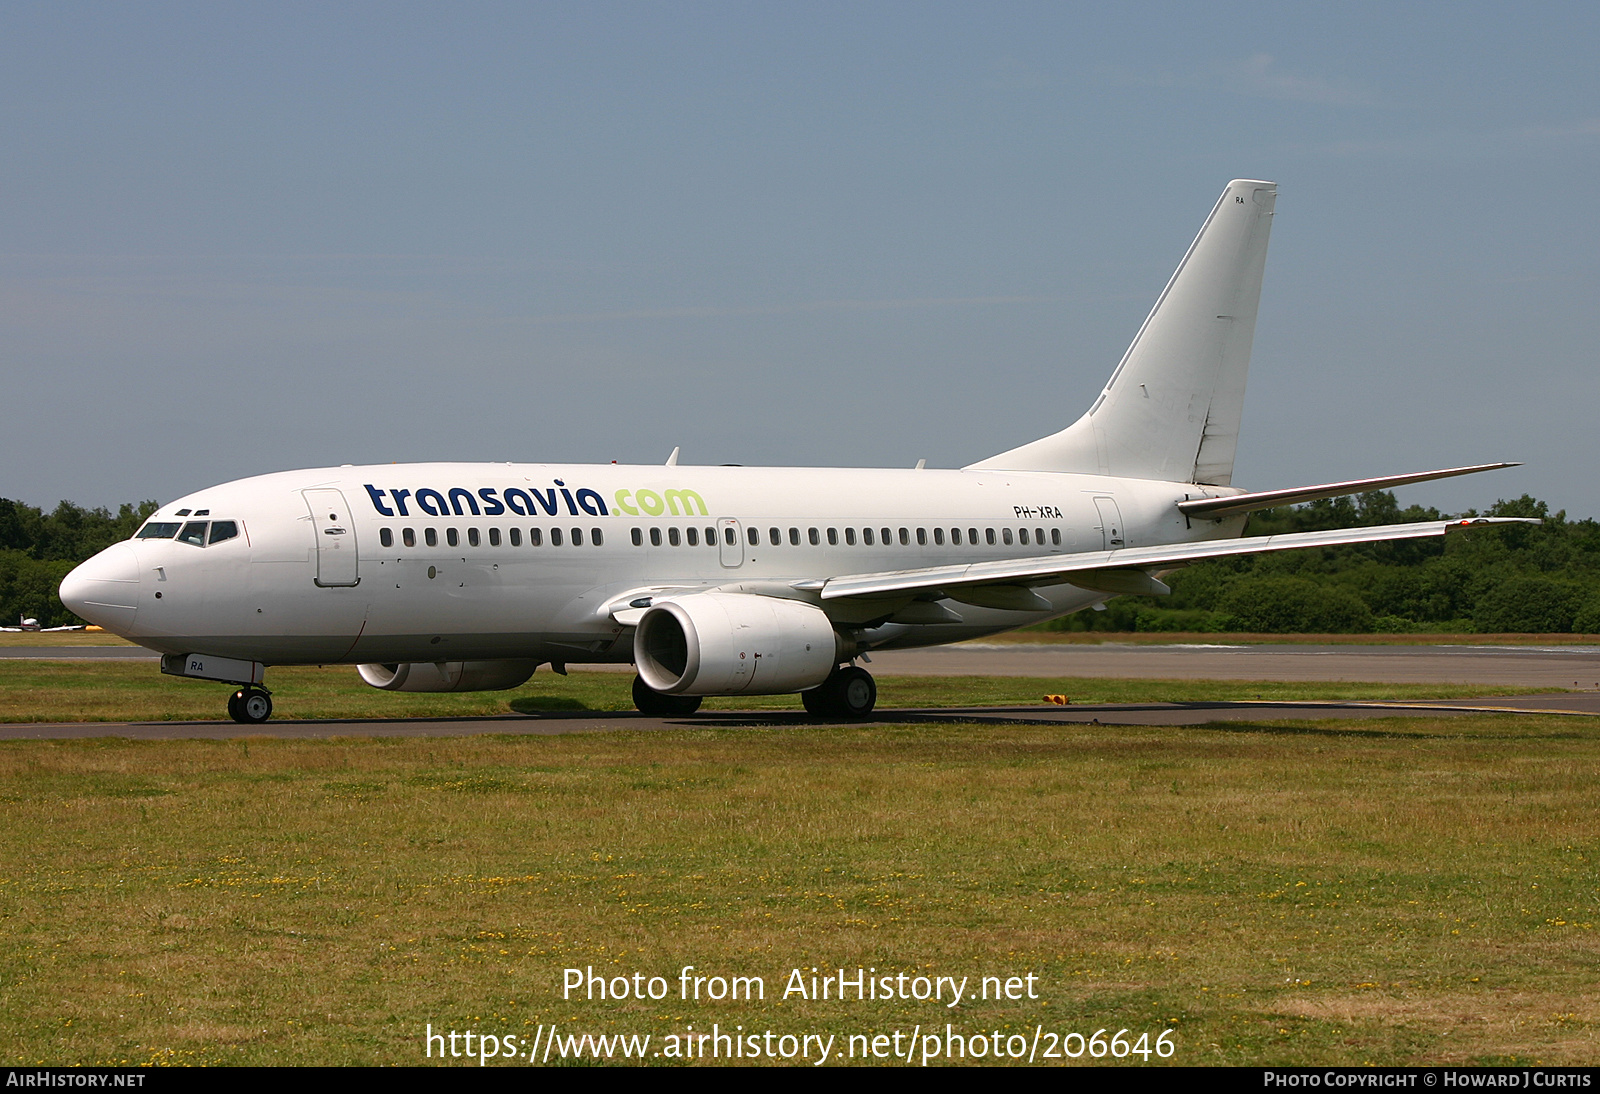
{"points": [[28, 589], [1284, 605], [70, 532], [1529, 604]]}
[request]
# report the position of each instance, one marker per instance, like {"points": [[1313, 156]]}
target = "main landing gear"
{"points": [[848, 692], [660, 704], [250, 706]]}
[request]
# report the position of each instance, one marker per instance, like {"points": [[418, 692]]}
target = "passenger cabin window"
{"points": [[711, 537], [408, 536], [1022, 534], [694, 536], [732, 539], [813, 537], [555, 537], [655, 537], [595, 537], [637, 536], [577, 537], [159, 530], [849, 537], [972, 536], [673, 537], [775, 536], [1005, 534], [494, 537], [1055, 536], [452, 537], [516, 537], [938, 537], [794, 537], [866, 536], [385, 536], [833, 537], [535, 537], [1038, 536], [472, 537], [193, 533], [754, 536], [988, 534], [887, 541], [431, 536]]}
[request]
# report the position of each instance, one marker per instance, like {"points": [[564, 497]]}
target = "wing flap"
{"points": [[1058, 569]]}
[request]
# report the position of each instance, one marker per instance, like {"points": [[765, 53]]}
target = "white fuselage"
{"points": [[454, 562]]}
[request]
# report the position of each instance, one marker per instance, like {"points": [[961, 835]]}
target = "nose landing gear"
{"points": [[250, 706]]}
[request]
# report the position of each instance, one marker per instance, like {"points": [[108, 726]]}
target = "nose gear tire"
{"points": [[250, 707]]}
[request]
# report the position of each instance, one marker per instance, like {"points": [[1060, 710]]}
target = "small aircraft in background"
{"points": [[31, 624]]}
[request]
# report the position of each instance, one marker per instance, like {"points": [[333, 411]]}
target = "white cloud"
{"points": [[1569, 131], [712, 311], [1259, 75]]}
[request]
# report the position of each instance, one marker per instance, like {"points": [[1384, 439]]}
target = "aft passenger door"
{"points": [[730, 542], [1110, 523], [336, 539]]}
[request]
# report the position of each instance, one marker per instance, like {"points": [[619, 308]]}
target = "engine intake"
{"points": [[448, 675], [734, 644]]}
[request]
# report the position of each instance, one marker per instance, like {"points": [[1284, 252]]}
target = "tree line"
{"points": [[38, 549], [1513, 578], [1520, 578]]}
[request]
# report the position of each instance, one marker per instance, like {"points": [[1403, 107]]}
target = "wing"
{"points": [[1127, 570]]}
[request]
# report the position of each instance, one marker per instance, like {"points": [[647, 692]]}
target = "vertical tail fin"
{"points": [[1171, 409]]}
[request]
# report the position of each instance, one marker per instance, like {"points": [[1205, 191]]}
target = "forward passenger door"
{"points": [[335, 533]]}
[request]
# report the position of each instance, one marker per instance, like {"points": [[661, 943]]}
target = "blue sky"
{"points": [[243, 238]]}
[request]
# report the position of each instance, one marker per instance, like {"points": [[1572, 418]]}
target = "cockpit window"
{"points": [[157, 529], [194, 532], [223, 529]]}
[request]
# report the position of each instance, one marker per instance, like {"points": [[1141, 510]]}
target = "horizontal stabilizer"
{"points": [[1059, 569], [1217, 508]]}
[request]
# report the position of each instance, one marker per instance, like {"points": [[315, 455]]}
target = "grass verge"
{"points": [[1408, 891], [123, 691]]}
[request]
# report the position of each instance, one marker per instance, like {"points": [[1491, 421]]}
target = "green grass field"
{"points": [[119, 691], [1405, 891]]}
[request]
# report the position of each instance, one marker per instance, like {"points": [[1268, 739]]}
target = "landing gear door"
{"points": [[730, 542], [332, 522], [1110, 523]]}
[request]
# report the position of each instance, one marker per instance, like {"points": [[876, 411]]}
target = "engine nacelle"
{"points": [[448, 675], [734, 644]]}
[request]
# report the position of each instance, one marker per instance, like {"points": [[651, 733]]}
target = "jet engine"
{"points": [[448, 675], [733, 644]]}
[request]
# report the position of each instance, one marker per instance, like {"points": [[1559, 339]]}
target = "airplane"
{"points": [[28, 623], [727, 580]]}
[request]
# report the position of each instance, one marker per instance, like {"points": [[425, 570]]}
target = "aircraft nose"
{"points": [[105, 589]]}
